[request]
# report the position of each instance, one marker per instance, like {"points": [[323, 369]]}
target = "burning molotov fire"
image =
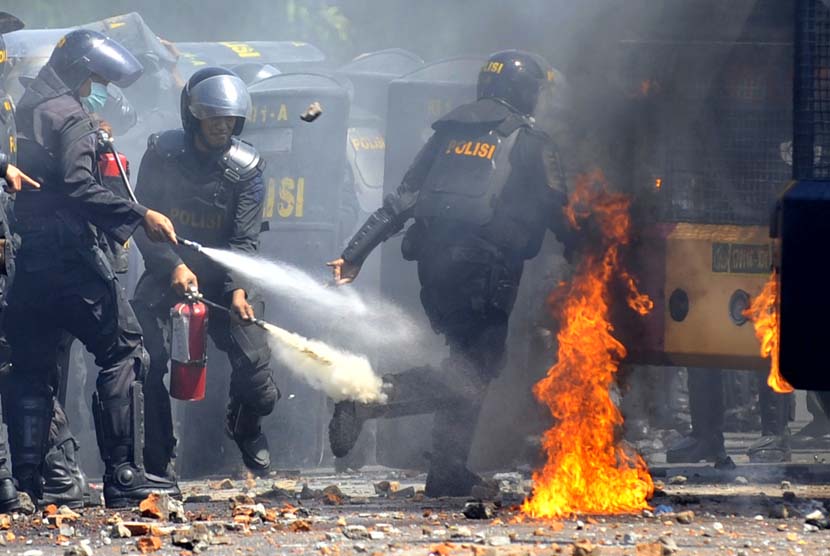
{"points": [[588, 469], [763, 312]]}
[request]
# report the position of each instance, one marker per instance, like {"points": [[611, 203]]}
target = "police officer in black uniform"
{"points": [[211, 184], [482, 191], [11, 181], [64, 282]]}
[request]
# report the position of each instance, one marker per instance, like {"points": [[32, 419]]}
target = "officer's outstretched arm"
{"points": [[398, 207]]}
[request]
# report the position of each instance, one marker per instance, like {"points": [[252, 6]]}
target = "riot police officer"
{"points": [[482, 191], [64, 280], [211, 184], [12, 179]]}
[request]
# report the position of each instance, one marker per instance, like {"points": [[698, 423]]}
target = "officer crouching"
{"points": [[210, 183]]}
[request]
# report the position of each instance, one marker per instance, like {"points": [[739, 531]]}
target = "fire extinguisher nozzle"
{"points": [[191, 244]]}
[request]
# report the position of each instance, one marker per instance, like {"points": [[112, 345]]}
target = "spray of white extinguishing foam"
{"points": [[339, 374], [345, 317]]}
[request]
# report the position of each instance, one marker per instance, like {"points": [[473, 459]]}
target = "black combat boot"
{"points": [[691, 449], [774, 444], [9, 500], [29, 421], [707, 410], [408, 393], [64, 483], [452, 438], [243, 426], [345, 426], [119, 425]]}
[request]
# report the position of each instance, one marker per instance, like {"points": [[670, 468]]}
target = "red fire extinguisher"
{"points": [[188, 349]]}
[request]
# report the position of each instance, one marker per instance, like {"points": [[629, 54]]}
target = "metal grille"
{"points": [[812, 90], [727, 166]]}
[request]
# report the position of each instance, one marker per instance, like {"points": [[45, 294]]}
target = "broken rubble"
{"points": [[478, 510]]}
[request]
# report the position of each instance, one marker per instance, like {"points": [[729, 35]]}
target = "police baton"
{"points": [[107, 141]]}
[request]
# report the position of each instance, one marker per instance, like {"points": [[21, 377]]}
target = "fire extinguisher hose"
{"points": [[213, 304]]}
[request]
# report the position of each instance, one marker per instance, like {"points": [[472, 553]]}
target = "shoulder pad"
{"points": [[535, 131], [241, 162], [514, 122], [167, 144]]}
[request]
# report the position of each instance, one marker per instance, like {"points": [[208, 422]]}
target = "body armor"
{"points": [[468, 176], [202, 204]]}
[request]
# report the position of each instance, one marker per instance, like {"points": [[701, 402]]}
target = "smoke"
{"points": [[340, 374], [342, 315]]}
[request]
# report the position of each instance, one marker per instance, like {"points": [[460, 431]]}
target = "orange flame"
{"points": [[763, 312], [588, 470]]}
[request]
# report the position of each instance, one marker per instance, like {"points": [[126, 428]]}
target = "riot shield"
{"points": [[416, 100], [304, 175], [288, 56]]}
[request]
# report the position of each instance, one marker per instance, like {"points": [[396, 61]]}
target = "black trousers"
{"points": [[252, 384], [68, 295], [469, 303]]}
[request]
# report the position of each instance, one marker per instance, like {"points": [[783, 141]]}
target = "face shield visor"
{"points": [[111, 61], [220, 95]]}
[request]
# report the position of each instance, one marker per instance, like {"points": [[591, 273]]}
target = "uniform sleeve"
{"points": [[159, 258], [246, 227], [552, 187], [398, 207], [4, 164], [107, 211]]}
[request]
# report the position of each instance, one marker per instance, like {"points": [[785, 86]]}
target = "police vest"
{"points": [[468, 174], [201, 203]]}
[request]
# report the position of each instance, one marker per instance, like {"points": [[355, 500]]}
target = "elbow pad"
{"points": [[377, 229]]}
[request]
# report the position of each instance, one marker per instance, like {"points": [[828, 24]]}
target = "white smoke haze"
{"points": [[339, 374], [361, 322]]}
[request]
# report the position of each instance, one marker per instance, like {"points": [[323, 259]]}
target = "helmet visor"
{"points": [[110, 60], [220, 95]]}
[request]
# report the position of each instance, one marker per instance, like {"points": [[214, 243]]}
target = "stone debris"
{"points": [[739, 480], [146, 545], [197, 538], [678, 480], [26, 506], [162, 506], [669, 546], [224, 484], [81, 549], [685, 518], [585, 548], [499, 541], [356, 532], [479, 510]]}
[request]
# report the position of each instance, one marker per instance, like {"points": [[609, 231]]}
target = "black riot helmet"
{"points": [[82, 53], [515, 77], [254, 72], [213, 92]]}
